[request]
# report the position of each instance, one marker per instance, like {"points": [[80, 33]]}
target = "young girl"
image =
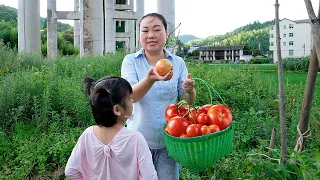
{"points": [[108, 150]]}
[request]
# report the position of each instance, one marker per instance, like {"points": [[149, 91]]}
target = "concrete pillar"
{"points": [[139, 12], [29, 26], [52, 45], [167, 9], [232, 55], [110, 27], [76, 26], [132, 32], [92, 28]]}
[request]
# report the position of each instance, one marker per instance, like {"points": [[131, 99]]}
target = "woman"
{"points": [[152, 93]]}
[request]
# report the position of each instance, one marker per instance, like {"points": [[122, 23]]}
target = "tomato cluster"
{"points": [[185, 121]]}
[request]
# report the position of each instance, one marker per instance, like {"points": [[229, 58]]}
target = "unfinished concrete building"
{"points": [[100, 26]]}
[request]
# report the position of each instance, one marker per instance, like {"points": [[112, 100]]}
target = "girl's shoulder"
{"points": [[130, 133]]}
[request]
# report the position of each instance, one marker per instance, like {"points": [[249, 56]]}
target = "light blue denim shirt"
{"points": [[149, 112]]}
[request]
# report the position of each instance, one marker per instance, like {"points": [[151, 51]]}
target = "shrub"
{"points": [[296, 64], [260, 60]]}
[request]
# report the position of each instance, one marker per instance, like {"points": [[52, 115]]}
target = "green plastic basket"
{"points": [[198, 153]]}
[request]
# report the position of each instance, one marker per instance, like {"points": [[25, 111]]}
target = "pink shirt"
{"points": [[126, 157]]}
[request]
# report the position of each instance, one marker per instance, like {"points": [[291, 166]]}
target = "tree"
{"points": [[303, 126]]}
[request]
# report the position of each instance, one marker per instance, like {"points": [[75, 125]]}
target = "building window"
{"points": [[284, 27], [290, 43], [284, 35], [271, 27], [284, 43], [271, 35], [290, 52], [290, 34], [290, 26], [271, 43]]}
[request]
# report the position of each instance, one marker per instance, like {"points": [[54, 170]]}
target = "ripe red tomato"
{"points": [[177, 126], [184, 135], [163, 66], [193, 130], [200, 125], [205, 130], [214, 128], [192, 118], [220, 115], [174, 110], [183, 112], [202, 118], [201, 110], [207, 106], [167, 130]]}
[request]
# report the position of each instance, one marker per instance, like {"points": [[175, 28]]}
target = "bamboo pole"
{"points": [[283, 134]]}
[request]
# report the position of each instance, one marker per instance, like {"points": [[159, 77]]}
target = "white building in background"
{"points": [[215, 53], [192, 48], [296, 39]]}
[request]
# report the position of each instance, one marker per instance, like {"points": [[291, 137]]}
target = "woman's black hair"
{"points": [[103, 95], [156, 15]]}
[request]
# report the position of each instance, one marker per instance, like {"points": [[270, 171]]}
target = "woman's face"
{"points": [[153, 35]]}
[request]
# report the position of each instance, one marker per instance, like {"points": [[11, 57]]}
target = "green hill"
{"points": [[254, 36], [9, 14], [187, 37]]}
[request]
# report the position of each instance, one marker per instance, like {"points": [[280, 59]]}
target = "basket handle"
{"points": [[210, 88]]}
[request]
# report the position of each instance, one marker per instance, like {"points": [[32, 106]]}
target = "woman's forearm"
{"points": [[141, 88], [189, 97]]}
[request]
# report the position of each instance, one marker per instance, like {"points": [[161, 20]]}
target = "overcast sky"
{"points": [[204, 18]]}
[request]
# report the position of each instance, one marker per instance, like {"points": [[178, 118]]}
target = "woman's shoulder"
{"points": [[132, 56], [173, 56]]}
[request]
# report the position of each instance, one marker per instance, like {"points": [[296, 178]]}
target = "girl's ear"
{"points": [[116, 110]]}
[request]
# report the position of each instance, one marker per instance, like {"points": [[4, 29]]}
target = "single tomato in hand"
{"points": [[163, 66]]}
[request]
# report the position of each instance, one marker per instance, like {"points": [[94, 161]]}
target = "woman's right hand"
{"points": [[153, 76]]}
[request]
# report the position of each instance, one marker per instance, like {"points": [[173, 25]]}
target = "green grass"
{"points": [[270, 72], [260, 67], [43, 111]]}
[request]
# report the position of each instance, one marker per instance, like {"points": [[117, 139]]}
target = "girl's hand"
{"points": [[153, 76]]}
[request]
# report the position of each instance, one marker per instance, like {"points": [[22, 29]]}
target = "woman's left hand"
{"points": [[188, 84]]}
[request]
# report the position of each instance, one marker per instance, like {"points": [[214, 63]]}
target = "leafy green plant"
{"points": [[296, 64]]}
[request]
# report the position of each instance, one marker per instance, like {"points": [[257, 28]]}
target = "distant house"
{"points": [[296, 39], [192, 48], [221, 53], [246, 58]]}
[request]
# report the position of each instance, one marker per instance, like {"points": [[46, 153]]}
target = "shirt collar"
{"points": [[141, 52]]}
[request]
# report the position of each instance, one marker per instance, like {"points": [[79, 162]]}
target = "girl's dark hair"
{"points": [[156, 15], [103, 95]]}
